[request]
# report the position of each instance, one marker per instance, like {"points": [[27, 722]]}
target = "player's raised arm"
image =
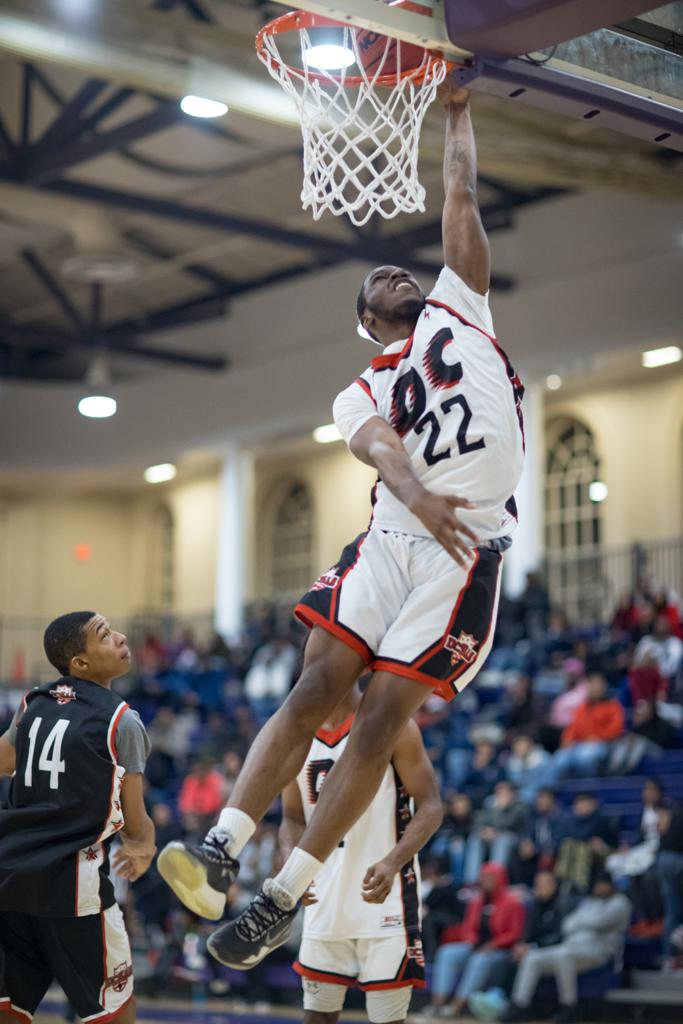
{"points": [[375, 442], [465, 245], [417, 775]]}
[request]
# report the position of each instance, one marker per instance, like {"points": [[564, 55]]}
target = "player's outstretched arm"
{"points": [[417, 775], [377, 444], [8, 756], [465, 245], [138, 834]]}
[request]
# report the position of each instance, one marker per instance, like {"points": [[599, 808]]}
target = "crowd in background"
{"points": [[514, 873]]}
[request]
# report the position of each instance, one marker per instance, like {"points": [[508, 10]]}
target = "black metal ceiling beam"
{"points": [[7, 147], [45, 340], [53, 288], [71, 112], [26, 104], [48, 87], [43, 168], [140, 241]]}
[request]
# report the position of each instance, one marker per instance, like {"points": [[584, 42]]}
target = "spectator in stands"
{"points": [[635, 866], [187, 654], [271, 673], [563, 708], [584, 840], [493, 924], [442, 910], [596, 723], [650, 735], [523, 710], [534, 607], [450, 841], [497, 830], [483, 774], [664, 647], [545, 916], [170, 734], [645, 680], [670, 872], [592, 935], [526, 766], [201, 796], [537, 848]]}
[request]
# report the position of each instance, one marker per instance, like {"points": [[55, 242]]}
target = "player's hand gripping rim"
{"points": [[438, 512]]}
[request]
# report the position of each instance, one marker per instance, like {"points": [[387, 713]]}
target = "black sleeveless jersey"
{"points": [[64, 804]]}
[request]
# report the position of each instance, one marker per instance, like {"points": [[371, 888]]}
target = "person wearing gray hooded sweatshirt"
{"points": [[593, 934]]}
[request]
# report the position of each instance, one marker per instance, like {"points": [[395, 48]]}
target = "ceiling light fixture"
{"points": [[597, 491], [661, 356], [97, 405], [329, 57], [199, 106], [161, 473], [553, 382], [326, 434]]}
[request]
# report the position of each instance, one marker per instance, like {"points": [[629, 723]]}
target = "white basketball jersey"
{"points": [[341, 912], [451, 394]]}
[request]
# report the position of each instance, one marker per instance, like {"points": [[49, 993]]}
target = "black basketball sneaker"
{"points": [[200, 876], [261, 928]]}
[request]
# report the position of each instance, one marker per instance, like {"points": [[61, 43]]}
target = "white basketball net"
{"points": [[360, 141]]}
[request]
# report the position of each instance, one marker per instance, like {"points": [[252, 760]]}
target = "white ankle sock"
{"points": [[236, 826], [295, 877]]}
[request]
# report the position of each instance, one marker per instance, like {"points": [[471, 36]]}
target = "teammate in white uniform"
{"points": [[415, 598], [361, 924]]}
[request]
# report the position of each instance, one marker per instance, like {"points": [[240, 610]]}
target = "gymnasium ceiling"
{"points": [[173, 244]]}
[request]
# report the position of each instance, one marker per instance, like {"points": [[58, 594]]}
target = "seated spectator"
{"points": [[635, 865], [664, 647], [442, 909], [537, 848], [202, 795], [170, 734], [449, 842], [592, 935], [670, 873], [526, 766], [584, 840], [650, 735], [523, 710], [563, 708], [186, 657], [271, 674], [534, 608], [497, 830], [483, 774], [596, 723], [645, 680], [493, 924]]}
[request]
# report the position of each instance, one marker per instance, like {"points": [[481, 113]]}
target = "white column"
{"points": [[234, 542], [526, 552]]}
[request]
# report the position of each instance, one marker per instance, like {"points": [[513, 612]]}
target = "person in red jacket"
{"points": [[585, 745], [493, 924]]}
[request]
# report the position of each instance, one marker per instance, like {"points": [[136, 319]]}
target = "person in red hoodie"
{"points": [[586, 741], [493, 923]]}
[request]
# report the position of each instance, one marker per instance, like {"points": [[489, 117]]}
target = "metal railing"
{"points": [[588, 584]]}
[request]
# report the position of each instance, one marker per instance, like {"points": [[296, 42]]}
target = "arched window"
{"points": [[576, 579], [292, 543], [572, 520]]}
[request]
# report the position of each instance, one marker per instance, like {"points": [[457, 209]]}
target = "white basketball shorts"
{"points": [[385, 968], [408, 608]]}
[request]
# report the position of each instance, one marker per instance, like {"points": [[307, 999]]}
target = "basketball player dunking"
{"points": [[78, 753], [361, 923], [415, 598]]}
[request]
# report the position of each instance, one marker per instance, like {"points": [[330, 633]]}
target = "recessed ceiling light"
{"points": [[597, 491], [97, 407], [326, 434], [199, 106], [662, 356], [553, 382], [329, 57], [161, 473]]}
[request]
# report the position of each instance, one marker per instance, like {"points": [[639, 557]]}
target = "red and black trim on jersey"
{"points": [[466, 634], [332, 737], [362, 383], [320, 606], [515, 382], [391, 361], [411, 972], [408, 875]]}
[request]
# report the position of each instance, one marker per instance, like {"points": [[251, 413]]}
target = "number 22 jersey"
{"points": [[451, 394]]}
